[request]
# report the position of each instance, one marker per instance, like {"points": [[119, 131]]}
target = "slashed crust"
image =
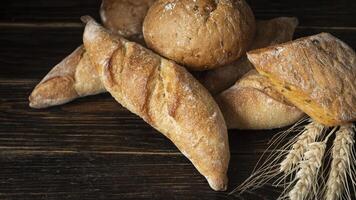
{"points": [[72, 78], [166, 96]]}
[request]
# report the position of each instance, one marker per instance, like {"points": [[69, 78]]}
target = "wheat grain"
{"points": [[309, 135], [306, 177], [341, 161]]}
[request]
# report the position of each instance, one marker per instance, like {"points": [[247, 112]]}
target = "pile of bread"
{"points": [[180, 65]]}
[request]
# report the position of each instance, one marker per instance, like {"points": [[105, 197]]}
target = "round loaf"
{"points": [[200, 34], [125, 17]]}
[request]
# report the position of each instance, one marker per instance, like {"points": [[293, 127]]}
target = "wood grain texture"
{"points": [[93, 148]]}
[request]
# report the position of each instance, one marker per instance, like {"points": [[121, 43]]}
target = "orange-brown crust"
{"points": [[268, 32], [166, 96], [125, 17], [316, 73], [201, 34], [253, 103], [72, 78]]}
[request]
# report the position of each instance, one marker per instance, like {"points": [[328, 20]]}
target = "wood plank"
{"points": [[112, 176], [92, 124], [311, 13], [31, 52]]}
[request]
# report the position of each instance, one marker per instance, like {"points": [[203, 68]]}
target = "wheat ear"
{"points": [[309, 135], [342, 158], [306, 178]]}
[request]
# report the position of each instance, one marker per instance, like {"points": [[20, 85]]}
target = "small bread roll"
{"points": [[125, 17], [200, 34], [252, 103]]}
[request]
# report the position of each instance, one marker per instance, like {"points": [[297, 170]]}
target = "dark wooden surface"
{"points": [[93, 148]]}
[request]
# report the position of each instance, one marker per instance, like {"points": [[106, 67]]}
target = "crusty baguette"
{"points": [[269, 32], [316, 73], [166, 96], [75, 76], [252, 103], [72, 78]]}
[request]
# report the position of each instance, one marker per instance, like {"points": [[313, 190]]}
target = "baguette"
{"points": [[75, 77], [72, 78], [268, 32], [316, 73], [252, 103], [166, 96]]}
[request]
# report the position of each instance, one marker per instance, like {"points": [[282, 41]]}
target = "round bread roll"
{"points": [[200, 34], [252, 103], [125, 16]]}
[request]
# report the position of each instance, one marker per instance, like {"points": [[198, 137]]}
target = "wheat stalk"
{"points": [[307, 176], [341, 163], [309, 135]]}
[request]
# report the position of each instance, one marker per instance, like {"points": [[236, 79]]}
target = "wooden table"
{"points": [[93, 148]]}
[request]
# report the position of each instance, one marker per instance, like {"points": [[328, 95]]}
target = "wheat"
{"points": [[309, 135], [340, 165], [306, 177]]}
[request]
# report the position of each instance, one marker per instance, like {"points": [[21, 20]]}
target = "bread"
{"points": [[201, 34], [166, 96], [316, 73], [252, 103], [75, 76], [72, 78], [125, 17], [268, 32]]}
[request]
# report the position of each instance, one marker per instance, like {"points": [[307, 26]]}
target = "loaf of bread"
{"points": [[268, 32], [125, 17], [75, 76], [166, 96], [316, 74], [252, 103], [200, 34], [72, 78]]}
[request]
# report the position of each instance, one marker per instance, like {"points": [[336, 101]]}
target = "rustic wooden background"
{"points": [[93, 148]]}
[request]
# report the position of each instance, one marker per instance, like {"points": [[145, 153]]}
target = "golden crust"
{"points": [[316, 73], [252, 103], [268, 32], [166, 96], [72, 78], [201, 34], [125, 17]]}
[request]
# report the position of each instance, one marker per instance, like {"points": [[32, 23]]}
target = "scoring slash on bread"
{"points": [[316, 74], [75, 76], [268, 32], [72, 78], [200, 34], [166, 96]]}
